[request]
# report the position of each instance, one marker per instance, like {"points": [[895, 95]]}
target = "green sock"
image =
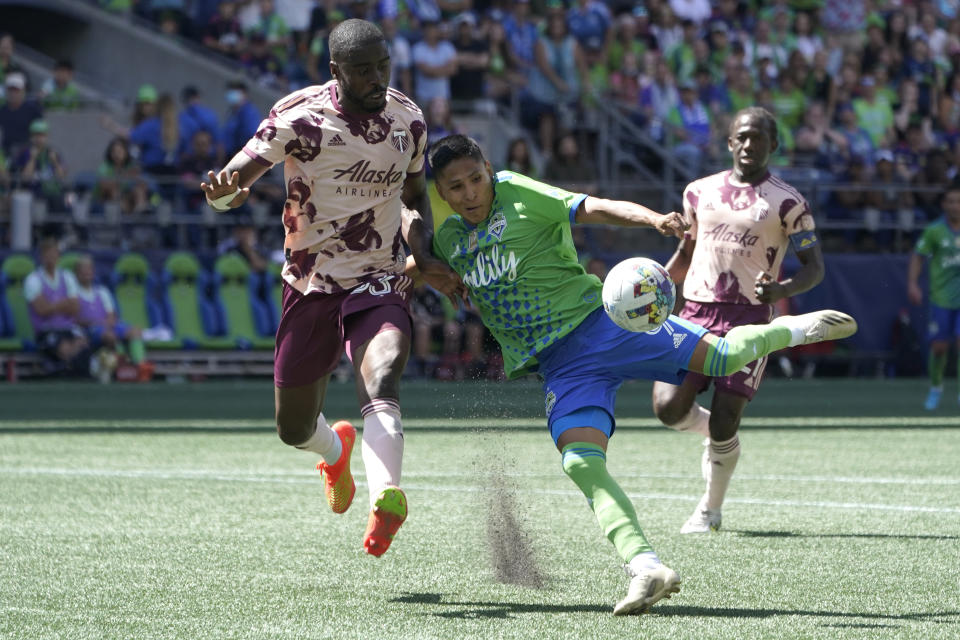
{"points": [[743, 345], [586, 464], [936, 364], [138, 353]]}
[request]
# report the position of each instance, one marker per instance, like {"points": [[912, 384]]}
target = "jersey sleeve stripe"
{"points": [[575, 205], [257, 158]]}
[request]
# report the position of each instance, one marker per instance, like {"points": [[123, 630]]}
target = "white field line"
{"points": [[311, 478], [480, 423]]}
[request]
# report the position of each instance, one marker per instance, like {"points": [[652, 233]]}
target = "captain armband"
{"points": [[803, 240]]}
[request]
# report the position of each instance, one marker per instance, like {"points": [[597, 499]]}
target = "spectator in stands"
{"points": [[157, 139], [273, 28], [696, 11], [893, 203], [41, 168], [818, 85], [194, 117], [681, 56], [847, 201], [434, 62], [657, 100], [555, 83], [816, 143], [223, 33], [519, 158], [569, 168], [439, 119], [97, 316], [666, 28], [522, 35], [911, 149], [17, 114], [60, 91], [192, 168], [318, 56], [401, 57], [691, 128], [119, 179], [934, 175], [589, 21], [473, 59], [625, 83], [710, 94], [51, 293], [763, 47], [789, 101], [504, 75], [7, 64], [241, 121], [262, 63], [805, 40], [625, 40]]}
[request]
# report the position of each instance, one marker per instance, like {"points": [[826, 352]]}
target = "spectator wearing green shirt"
{"points": [[874, 114], [939, 245], [60, 91]]}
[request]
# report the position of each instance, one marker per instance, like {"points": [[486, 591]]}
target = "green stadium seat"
{"points": [[191, 317], [133, 284], [243, 314], [68, 261], [14, 270]]}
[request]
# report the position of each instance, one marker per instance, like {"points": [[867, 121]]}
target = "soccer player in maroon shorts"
{"points": [[353, 156], [741, 223]]}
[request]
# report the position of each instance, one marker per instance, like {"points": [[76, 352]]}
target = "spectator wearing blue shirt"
{"points": [[241, 122], [522, 34], [194, 117], [157, 138], [589, 22]]}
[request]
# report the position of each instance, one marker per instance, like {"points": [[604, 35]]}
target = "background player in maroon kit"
{"points": [[353, 154], [741, 223]]}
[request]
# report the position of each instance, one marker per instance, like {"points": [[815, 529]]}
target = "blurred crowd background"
{"points": [[616, 98]]}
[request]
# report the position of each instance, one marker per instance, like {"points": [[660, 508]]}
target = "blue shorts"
{"points": [[121, 330], [586, 367], [944, 324]]}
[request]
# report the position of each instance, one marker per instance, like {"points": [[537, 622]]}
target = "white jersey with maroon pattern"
{"points": [[741, 230], [344, 174]]}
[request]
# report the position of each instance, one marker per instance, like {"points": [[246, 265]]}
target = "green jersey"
{"points": [[941, 245], [521, 267]]}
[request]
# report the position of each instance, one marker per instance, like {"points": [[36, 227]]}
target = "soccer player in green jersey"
{"points": [[511, 244], [940, 244]]}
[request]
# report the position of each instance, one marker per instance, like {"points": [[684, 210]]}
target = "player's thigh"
{"points": [[589, 435], [378, 343], [309, 339], [725, 413], [297, 409]]}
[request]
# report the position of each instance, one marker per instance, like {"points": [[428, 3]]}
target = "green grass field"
{"points": [[173, 511]]}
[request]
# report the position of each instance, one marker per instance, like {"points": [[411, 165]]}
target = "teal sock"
{"points": [[936, 365], [586, 464], [743, 345]]}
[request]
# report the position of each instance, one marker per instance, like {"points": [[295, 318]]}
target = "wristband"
{"points": [[223, 202]]}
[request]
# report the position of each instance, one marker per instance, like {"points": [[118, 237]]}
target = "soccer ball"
{"points": [[638, 295]]}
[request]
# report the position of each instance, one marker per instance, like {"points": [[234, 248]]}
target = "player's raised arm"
{"points": [[233, 180], [629, 214]]}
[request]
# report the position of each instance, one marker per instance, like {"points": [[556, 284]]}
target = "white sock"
{"points": [[723, 460], [696, 421], [382, 444], [324, 441], [644, 561]]}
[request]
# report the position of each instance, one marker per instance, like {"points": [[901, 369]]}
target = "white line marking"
{"points": [[312, 478]]}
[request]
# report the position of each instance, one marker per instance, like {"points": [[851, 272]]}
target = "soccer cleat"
{"points": [[933, 398], [338, 481], [646, 588], [702, 521], [388, 513], [819, 326]]}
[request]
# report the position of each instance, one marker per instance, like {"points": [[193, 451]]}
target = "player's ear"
{"points": [[730, 144], [486, 163], [334, 70]]}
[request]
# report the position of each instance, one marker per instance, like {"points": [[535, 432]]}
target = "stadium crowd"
{"points": [[866, 93]]}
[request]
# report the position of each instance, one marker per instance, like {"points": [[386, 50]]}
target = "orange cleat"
{"points": [[338, 480], [388, 513]]}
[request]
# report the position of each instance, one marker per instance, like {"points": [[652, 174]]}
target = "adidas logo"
{"points": [[336, 141], [677, 339]]}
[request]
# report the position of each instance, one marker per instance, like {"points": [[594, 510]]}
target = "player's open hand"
{"points": [[221, 185], [914, 293], [444, 279], [768, 290], [671, 224]]}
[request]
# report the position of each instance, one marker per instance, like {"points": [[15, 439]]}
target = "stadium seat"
{"points": [[189, 313], [274, 289], [68, 261], [17, 326], [133, 287], [245, 318]]}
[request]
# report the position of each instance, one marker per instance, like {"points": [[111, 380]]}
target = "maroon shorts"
{"points": [[315, 328], [718, 318]]}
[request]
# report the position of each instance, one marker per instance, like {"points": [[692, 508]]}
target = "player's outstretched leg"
{"points": [[650, 580], [339, 486], [382, 452]]}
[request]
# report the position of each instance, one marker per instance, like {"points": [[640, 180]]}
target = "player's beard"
{"points": [[366, 104]]}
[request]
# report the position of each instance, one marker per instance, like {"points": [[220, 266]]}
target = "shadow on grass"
{"points": [[793, 534], [474, 610]]}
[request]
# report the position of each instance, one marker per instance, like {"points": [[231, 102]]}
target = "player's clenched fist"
{"points": [[672, 224]]}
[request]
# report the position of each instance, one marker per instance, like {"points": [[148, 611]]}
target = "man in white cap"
{"points": [[17, 114]]}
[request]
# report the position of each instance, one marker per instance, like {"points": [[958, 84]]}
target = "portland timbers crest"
{"points": [[400, 140]]}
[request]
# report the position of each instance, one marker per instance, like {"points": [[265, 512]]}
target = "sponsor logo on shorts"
{"points": [[678, 338], [551, 401]]}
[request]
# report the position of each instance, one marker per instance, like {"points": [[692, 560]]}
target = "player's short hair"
{"points": [[353, 34], [446, 150], [761, 114]]}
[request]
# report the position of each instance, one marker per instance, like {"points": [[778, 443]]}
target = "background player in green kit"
{"points": [[510, 242], [940, 242]]}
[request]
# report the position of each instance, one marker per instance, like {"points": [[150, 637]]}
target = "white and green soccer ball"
{"points": [[638, 295]]}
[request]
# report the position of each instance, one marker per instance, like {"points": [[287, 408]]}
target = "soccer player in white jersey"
{"points": [[353, 156], [741, 223]]}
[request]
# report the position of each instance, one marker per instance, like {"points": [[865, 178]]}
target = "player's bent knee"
{"points": [[294, 429]]}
